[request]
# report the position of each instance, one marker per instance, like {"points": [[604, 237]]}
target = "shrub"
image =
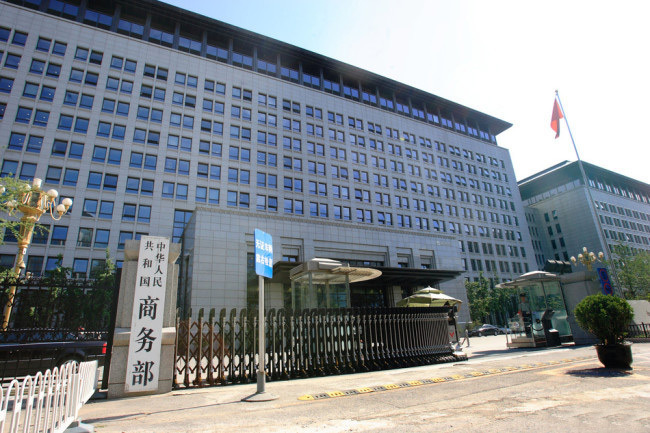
{"points": [[605, 316]]}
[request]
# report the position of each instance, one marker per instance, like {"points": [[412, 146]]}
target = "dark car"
{"points": [[20, 359], [487, 329]]}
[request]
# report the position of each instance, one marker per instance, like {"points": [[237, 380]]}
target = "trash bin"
{"points": [[553, 338]]}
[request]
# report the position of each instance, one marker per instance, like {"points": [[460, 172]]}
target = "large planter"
{"points": [[615, 355]]}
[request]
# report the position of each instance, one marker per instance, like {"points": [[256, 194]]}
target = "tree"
{"points": [[486, 300], [632, 271]]}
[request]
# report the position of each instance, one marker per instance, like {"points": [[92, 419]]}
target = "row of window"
{"points": [[107, 181], [245, 114], [264, 66]]}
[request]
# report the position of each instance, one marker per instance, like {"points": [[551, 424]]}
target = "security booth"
{"points": [[542, 318], [325, 283]]}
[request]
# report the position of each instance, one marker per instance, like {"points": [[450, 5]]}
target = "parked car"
{"points": [[20, 359], [487, 329]]}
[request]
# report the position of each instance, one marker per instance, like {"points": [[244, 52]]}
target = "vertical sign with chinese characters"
{"points": [[263, 254], [143, 363]]}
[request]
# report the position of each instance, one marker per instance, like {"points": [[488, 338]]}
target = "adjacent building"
{"points": [[561, 218], [159, 121]]}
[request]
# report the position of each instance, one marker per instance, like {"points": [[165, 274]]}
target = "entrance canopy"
{"points": [[325, 283], [333, 272]]}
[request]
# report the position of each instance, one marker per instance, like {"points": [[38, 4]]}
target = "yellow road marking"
{"points": [[470, 375]]}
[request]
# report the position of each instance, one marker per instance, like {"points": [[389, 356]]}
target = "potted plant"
{"points": [[607, 317]]}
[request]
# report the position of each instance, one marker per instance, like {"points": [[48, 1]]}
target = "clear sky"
{"points": [[505, 58]]}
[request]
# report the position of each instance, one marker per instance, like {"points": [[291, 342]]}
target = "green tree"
{"points": [[487, 301], [632, 271], [99, 300]]}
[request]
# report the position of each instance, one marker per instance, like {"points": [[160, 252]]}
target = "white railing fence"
{"points": [[48, 402]]}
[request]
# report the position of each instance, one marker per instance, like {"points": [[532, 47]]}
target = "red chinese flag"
{"points": [[555, 118]]}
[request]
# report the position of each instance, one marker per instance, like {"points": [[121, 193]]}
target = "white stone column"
{"points": [[122, 334]]}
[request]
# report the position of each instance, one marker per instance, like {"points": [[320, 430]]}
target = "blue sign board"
{"points": [[263, 254], [605, 284]]}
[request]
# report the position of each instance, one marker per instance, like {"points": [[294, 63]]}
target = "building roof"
{"points": [[191, 19], [566, 172]]}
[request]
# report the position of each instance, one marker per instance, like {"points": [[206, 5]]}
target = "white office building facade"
{"points": [[154, 119]]}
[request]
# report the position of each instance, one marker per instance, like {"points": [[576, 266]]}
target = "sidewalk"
{"points": [[205, 408]]}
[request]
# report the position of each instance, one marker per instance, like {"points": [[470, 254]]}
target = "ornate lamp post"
{"points": [[32, 202], [587, 258]]}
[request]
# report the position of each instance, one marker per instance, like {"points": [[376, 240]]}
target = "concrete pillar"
{"points": [[122, 334]]}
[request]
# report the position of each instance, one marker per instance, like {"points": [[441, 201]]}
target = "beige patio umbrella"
{"points": [[428, 297]]}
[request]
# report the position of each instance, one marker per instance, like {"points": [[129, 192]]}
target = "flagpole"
{"points": [[592, 208]]}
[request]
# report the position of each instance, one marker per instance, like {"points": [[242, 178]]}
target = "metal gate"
{"points": [[223, 350]]}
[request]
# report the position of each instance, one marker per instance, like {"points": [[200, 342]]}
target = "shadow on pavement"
{"points": [[600, 372], [473, 354]]}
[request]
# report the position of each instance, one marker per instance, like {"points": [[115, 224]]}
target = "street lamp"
{"points": [[32, 202], [588, 258]]}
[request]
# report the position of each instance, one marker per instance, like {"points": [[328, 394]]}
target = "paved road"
{"points": [[497, 390]]}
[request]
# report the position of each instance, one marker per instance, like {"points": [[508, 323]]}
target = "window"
{"points": [[144, 213], [27, 171], [53, 174], [24, 115], [16, 141], [110, 182], [85, 236], [168, 189], [59, 235], [9, 168], [150, 162], [101, 238], [115, 156], [43, 44], [34, 144], [76, 150], [81, 125], [53, 70], [76, 75], [99, 154], [89, 208], [47, 93], [71, 176], [41, 117], [128, 212], [19, 38], [12, 61], [80, 268], [124, 236], [94, 180], [6, 84], [106, 209], [123, 108], [86, 101], [30, 90], [96, 57], [81, 54], [201, 194]]}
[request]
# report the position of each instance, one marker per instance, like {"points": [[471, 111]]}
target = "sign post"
{"points": [[263, 268]]}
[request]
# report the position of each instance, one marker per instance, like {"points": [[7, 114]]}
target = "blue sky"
{"points": [[503, 57]]}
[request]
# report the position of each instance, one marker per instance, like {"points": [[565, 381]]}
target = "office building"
{"points": [[561, 220], [152, 118]]}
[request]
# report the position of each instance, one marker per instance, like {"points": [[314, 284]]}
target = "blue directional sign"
{"points": [[263, 254]]}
